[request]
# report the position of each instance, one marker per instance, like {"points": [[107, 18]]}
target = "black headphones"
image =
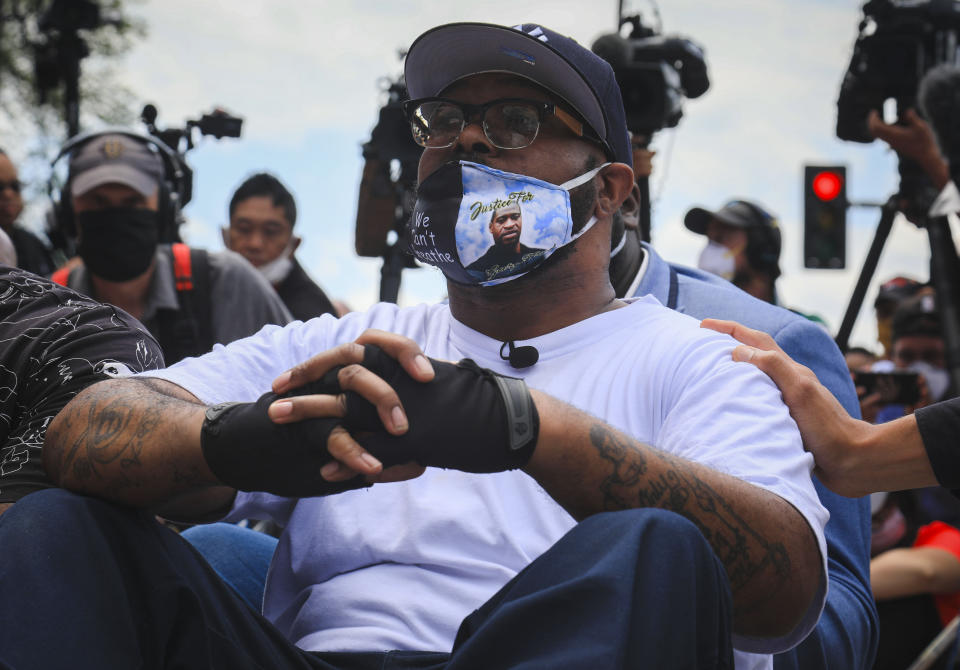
{"points": [[763, 241], [175, 190]]}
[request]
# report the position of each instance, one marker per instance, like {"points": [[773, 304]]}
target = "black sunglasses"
{"points": [[509, 123]]}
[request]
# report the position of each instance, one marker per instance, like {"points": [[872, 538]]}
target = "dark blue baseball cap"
{"points": [[448, 53]]}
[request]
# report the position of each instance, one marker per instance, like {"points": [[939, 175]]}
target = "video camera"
{"points": [[388, 186], [217, 123], [391, 138], [898, 42], [655, 73], [388, 189]]}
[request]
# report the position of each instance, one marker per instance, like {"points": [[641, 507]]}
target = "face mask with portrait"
{"points": [[483, 226], [719, 260]]}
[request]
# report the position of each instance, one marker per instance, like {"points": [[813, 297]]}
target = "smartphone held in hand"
{"points": [[899, 387]]}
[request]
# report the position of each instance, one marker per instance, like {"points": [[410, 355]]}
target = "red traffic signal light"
{"points": [[824, 216], [827, 185]]}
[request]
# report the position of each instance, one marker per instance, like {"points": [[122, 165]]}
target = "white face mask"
{"points": [[937, 379], [718, 259], [277, 270], [274, 271]]}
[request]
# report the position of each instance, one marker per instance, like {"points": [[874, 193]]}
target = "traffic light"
{"points": [[824, 217]]}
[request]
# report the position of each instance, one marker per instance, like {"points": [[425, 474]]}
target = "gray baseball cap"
{"points": [[737, 213], [115, 159]]}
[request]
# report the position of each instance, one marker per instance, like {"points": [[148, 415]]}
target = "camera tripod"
{"points": [[944, 275]]}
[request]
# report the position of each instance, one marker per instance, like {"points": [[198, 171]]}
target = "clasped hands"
{"points": [[373, 410]]}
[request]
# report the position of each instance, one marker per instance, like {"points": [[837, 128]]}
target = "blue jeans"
{"points": [[239, 555]]}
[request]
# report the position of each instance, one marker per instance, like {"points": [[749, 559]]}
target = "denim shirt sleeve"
{"points": [[847, 634]]}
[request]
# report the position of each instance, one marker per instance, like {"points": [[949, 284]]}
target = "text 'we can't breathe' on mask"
{"points": [[483, 226]]}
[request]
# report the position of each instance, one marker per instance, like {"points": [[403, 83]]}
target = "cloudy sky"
{"points": [[307, 77]]}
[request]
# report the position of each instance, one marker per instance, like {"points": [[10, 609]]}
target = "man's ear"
{"points": [[630, 209], [615, 184], [225, 234], [294, 245]]}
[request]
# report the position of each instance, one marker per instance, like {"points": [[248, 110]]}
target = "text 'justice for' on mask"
{"points": [[483, 226]]}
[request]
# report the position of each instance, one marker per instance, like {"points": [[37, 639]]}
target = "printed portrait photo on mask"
{"points": [[453, 222]]}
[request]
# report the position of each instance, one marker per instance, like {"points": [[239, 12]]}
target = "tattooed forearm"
{"points": [[136, 441], [100, 430], [677, 487], [768, 548]]}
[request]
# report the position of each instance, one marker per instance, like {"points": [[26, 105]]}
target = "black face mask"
{"points": [[118, 243]]}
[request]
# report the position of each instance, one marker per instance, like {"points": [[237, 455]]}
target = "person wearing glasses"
{"points": [[437, 514], [32, 254]]}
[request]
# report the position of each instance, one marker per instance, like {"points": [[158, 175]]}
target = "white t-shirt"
{"points": [[398, 566]]}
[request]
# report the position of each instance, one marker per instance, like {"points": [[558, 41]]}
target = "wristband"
{"points": [[245, 449]]}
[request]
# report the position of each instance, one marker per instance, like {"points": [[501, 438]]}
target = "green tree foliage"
{"points": [[31, 119], [32, 127]]}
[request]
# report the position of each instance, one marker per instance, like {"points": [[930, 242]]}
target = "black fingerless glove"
{"points": [[466, 418], [248, 451]]}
